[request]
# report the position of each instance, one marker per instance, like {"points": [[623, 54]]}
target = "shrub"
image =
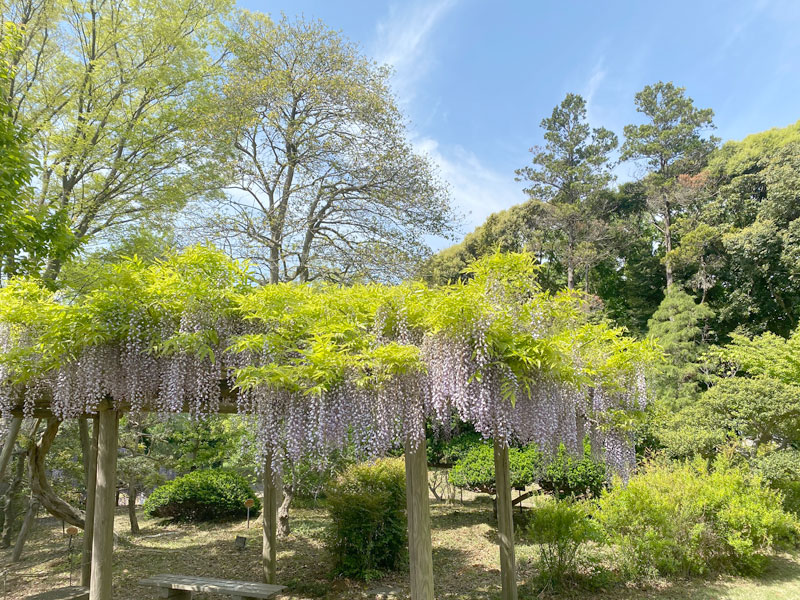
{"points": [[208, 495], [367, 508], [447, 452], [475, 471], [685, 518], [568, 477], [781, 469], [561, 527]]}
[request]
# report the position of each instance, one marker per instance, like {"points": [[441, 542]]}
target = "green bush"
{"points": [[688, 519], [207, 495], [475, 471], [367, 508], [781, 469], [568, 477], [447, 452], [560, 527]]}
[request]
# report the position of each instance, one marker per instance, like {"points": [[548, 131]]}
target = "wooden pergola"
{"points": [[497, 346], [98, 538]]}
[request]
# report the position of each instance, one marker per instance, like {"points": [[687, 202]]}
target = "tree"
{"points": [[28, 235], [743, 242], [325, 186], [671, 144], [568, 178], [114, 94], [680, 325]]}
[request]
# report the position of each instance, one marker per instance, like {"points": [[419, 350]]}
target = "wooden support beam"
{"points": [[91, 487], [269, 524], [103, 540], [420, 555], [505, 522], [9, 444]]}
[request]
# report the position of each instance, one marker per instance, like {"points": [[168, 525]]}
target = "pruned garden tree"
{"points": [[323, 183], [568, 178], [113, 93], [671, 143]]}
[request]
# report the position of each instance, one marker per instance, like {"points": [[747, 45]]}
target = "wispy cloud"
{"points": [[403, 40], [594, 82], [477, 189], [754, 10], [406, 39]]}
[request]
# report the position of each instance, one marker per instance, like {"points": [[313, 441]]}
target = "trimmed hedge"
{"points": [[475, 471], [568, 477], [207, 495]]}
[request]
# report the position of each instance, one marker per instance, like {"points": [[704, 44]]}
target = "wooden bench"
{"points": [[72, 592], [181, 587]]}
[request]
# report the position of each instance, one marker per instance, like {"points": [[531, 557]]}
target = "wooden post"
{"points": [[9, 444], [505, 522], [420, 556], [269, 524], [103, 539], [91, 490]]}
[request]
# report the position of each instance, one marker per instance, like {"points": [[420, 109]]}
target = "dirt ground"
{"points": [[466, 562]]}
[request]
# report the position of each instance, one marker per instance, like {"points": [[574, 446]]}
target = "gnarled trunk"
{"points": [[40, 488], [283, 510]]}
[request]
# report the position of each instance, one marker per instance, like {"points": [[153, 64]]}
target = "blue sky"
{"points": [[475, 78]]}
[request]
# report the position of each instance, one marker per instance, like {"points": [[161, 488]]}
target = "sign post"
{"points": [[249, 504]]}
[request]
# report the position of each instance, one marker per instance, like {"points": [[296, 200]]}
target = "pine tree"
{"points": [[681, 327]]}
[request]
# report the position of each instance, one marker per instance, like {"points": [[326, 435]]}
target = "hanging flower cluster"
{"points": [[320, 367]]}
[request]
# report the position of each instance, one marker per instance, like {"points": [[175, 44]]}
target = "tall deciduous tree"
{"points": [[568, 177], [28, 236], [671, 144], [325, 184], [113, 92]]}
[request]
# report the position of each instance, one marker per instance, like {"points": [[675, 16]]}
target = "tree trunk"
{"points": [[27, 524], [668, 242], [40, 488], [132, 508], [283, 511], [11, 502]]}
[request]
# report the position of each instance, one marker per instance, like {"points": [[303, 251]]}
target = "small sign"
{"points": [[240, 542], [72, 530], [249, 503]]}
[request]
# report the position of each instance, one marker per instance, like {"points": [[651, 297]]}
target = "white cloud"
{"points": [[403, 41], [477, 190], [594, 82]]}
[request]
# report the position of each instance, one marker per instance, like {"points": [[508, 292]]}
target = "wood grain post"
{"points": [[505, 522], [103, 539], [269, 524], [91, 490], [9, 444], [420, 556]]}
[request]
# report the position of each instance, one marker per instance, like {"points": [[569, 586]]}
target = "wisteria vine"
{"points": [[319, 368]]}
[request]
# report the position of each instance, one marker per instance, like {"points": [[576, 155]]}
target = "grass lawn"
{"points": [[464, 552]]}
